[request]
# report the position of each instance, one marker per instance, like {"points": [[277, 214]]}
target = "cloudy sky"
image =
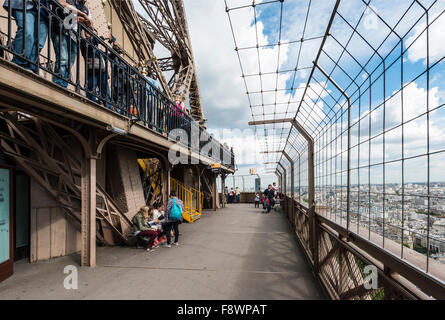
{"points": [[228, 107]]}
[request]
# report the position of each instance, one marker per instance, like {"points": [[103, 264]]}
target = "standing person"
{"points": [[119, 82], [142, 228], [179, 104], [97, 68], [226, 194], [257, 200], [231, 195], [238, 195], [65, 40], [176, 113], [150, 77], [269, 193], [173, 217], [275, 188], [27, 33]]}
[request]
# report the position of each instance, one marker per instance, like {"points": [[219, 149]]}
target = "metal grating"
{"points": [[373, 102]]}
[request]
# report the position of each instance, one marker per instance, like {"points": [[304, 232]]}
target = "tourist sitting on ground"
{"points": [[143, 229], [158, 212], [257, 200], [159, 219], [173, 217]]}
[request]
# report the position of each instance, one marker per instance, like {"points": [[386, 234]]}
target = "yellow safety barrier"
{"points": [[192, 199]]}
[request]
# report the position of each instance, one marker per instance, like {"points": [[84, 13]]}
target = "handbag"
{"points": [[96, 63]]}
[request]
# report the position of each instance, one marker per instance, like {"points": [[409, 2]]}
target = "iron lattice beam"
{"points": [[47, 156], [166, 22]]}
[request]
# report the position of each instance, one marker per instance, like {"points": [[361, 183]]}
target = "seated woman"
{"points": [[157, 220], [143, 229]]}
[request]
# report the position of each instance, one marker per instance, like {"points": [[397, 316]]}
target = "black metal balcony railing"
{"points": [[97, 70]]}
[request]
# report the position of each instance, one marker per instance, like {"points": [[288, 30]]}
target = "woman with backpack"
{"points": [[173, 217]]}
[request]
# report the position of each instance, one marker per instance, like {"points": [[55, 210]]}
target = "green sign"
{"points": [[4, 216]]}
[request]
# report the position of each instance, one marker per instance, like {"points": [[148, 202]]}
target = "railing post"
{"points": [[280, 178], [314, 232], [387, 289], [223, 185], [215, 191], [166, 187], [292, 186], [284, 176], [348, 187]]}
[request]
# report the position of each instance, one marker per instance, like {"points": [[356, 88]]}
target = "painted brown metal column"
{"points": [[291, 173], [314, 234], [280, 178], [285, 177], [292, 186], [88, 183]]}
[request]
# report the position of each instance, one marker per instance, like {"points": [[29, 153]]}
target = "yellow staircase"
{"points": [[191, 198]]}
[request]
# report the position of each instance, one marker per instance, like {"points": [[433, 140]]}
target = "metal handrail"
{"points": [[191, 197], [402, 277]]}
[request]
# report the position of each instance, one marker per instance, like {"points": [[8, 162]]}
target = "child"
{"points": [[257, 200], [265, 203], [277, 203]]}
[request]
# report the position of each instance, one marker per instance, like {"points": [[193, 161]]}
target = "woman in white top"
{"points": [[159, 217], [158, 213]]}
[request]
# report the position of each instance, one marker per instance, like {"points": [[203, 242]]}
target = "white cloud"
{"points": [[222, 88], [418, 41]]}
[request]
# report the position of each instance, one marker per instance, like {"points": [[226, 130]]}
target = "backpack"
{"points": [[175, 212]]}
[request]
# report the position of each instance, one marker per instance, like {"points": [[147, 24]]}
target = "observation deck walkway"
{"points": [[233, 253]]}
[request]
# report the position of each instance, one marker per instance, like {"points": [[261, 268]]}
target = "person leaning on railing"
{"points": [[65, 40], [25, 41], [150, 95], [97, 67], [119, 82]]}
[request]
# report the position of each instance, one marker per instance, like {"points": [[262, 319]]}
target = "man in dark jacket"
{"points": [[269, 193]]}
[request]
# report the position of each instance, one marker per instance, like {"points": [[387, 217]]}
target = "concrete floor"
{"points": [[233, 253]]}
